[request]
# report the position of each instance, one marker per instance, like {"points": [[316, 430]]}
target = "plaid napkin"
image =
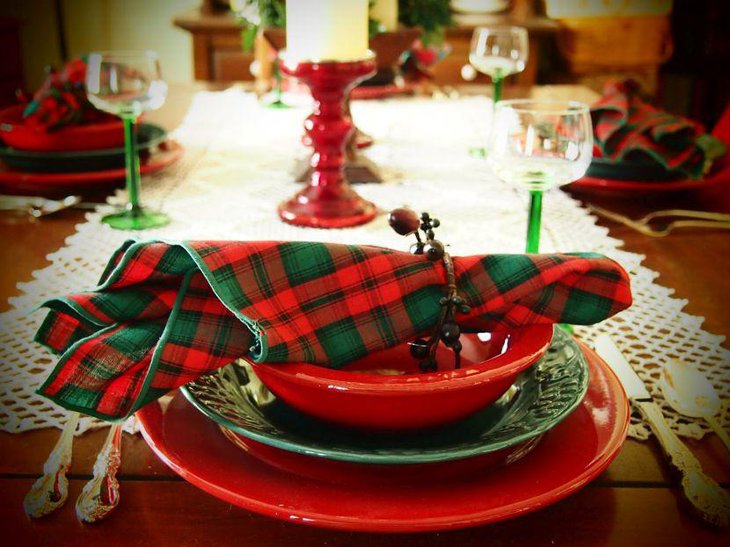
{"points": [[626, 128], [166, 313], [61, 100]]}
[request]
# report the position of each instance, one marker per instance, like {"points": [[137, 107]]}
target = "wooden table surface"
{"points": [[634, 502]]}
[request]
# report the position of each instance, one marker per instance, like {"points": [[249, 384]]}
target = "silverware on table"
{"points": [[39, 207], [50, 491], [708, 499], [690, 393], [100, 495], [684, 219]]}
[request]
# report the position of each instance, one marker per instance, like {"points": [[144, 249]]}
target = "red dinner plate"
{"points": [[569, 457], [14, 181], [633, 187]]}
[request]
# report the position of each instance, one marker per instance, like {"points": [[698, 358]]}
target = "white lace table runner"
{"points": [[237, 168]]}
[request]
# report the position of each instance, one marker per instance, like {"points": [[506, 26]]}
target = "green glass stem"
{"points": [[131, 161], [276, 91], [534, 221], [277, 82], [497, 81], [133, 217]]}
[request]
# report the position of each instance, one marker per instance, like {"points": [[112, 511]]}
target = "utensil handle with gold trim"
{"points": [[709, 500]]}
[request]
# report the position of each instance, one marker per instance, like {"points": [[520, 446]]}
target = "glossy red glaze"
{"points": [[362, 140], [328, 200], [634, 187], [569, 457], [13, 181], [95, 136], [412, 400]]}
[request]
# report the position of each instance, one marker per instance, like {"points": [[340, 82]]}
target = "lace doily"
{"points": [[237, 168]]}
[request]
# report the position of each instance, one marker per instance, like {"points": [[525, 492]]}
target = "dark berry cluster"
{"points": [[405, 222]]}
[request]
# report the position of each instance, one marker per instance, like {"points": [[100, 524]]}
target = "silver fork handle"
{"points": [[709, 500], [698, 219], [100, 495], [50, 491], [686, 213]]}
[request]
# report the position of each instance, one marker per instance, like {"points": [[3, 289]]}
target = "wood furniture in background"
{"points": [[598, 48], [218, 56], [217, 52]]}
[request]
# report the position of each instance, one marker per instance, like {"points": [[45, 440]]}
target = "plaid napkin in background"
{"points": [[626, 128], [166, 313], [61, 100]]}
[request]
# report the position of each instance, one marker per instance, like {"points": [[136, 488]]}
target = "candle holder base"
{"points": [[328, 200], [307, 208]]}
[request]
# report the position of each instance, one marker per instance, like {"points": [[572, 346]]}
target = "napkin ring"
{"points": [[405, 222]]}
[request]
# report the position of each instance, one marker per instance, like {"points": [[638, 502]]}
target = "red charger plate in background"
{"points": [[13, 181]]}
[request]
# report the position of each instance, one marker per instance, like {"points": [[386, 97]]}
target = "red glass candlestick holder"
{"points": [[328, 200]]}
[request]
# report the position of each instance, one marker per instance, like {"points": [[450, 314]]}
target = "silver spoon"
{"points": [[100, 495], [689, 392], [50, 491]]}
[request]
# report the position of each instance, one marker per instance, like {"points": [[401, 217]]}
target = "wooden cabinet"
{"points": [[217, 52], [598, 48], [218, 56]]}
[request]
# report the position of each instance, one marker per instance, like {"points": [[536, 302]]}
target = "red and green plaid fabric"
{"points": [[61, 100], [166, 313], [626, 128]]}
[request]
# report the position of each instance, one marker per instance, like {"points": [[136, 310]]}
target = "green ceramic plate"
{"points": [[630, 170], [149, 135], [541, 398]]}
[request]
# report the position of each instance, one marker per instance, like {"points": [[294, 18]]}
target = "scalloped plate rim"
{"points": [[476, 448]]}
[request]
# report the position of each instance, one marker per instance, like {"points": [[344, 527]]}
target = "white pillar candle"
{"points": [[327, 30], [385, 12]]}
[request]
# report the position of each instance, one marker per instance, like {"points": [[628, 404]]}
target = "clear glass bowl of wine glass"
{"points": [[538, 145], [499, 52], [126, 84]]}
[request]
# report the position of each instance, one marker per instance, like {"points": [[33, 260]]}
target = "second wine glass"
{"points": [[126, 84], [499, 52], [537, 145]]}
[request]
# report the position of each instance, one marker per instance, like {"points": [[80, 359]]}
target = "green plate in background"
{"points": [[149, 135], [603, 168]]}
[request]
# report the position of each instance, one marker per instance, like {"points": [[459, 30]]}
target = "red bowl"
{"points": [[408, 399], [96, 136]]}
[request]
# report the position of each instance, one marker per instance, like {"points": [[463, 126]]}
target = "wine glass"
{"points": [[277, 102], [540, 144], [127, 83], [498, 52]]}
